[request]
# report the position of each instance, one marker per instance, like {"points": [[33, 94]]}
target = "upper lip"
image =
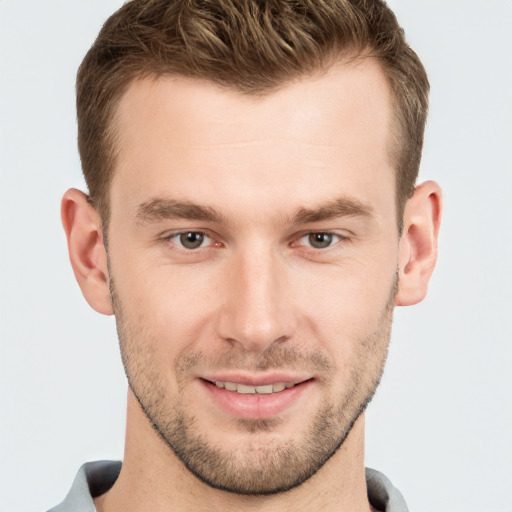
{"points": [[256, 380]]}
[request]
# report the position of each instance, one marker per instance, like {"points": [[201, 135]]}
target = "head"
{"points": [[251, 164], [251, 47]]}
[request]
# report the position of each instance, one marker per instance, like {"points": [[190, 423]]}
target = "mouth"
{"points": [[246, 389], [256, 400]]}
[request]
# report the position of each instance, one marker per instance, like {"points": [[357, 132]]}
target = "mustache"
{"points": [[274, 358]]}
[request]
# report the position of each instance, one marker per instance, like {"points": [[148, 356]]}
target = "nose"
{"points": [[257, 308]]}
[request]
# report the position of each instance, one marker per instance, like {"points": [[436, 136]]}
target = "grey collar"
{"points": [[95, 478]]}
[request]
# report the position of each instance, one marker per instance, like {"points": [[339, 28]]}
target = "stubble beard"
{"points": [[260, 468]]}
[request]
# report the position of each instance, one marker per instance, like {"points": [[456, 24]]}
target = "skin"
{"points": [[256, 301]]}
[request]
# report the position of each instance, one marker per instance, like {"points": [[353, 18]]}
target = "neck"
{"points": [[153, 478]]}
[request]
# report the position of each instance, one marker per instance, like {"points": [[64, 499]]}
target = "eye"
{"points": [[191, 239], [320, 240]]}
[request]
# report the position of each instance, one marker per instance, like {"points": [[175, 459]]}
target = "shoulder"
{"points": [[382, 494], [92, 479]]}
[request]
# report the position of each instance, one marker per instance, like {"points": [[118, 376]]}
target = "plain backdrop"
{"points": [[440, 425]]}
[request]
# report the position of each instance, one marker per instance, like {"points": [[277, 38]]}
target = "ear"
{"points": [[418, 244], [87, 253]]}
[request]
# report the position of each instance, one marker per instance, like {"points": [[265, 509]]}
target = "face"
{"points": [[253, 252]]}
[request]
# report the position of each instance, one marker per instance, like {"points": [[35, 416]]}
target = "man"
{"points": [[252, 220]]}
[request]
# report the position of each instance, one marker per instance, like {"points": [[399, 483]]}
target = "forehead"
{"points": [[320, 136]]}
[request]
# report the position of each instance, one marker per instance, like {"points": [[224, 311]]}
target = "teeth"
{"points": [[265, 390], [244, 389], [230, 386]]}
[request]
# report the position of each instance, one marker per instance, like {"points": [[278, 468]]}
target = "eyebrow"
{"points": [[166, 209], [341, 207], [163, 209]]}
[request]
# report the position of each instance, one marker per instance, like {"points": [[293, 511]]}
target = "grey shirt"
{"points": [[95, 478]]}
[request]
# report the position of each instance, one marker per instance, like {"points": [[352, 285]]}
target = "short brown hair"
{"points": [[251, 46]]}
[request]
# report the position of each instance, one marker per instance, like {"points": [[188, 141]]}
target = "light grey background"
{"points": [[440, 426]]}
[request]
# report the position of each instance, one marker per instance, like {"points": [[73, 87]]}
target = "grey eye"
{"points": [[192, 239], [320, 240]]}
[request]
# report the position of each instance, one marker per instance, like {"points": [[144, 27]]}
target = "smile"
{"points": [[245, 389], [256, 400]]}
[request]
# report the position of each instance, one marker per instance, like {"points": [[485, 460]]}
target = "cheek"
{"points": [[346, 305], [172, 305]]}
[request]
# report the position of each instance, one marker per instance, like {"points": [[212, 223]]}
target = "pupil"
{"points": [[191, 240], [320, 240]]}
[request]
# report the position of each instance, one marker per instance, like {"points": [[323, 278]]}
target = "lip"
{"points": [[255, 406], [256, 380]]}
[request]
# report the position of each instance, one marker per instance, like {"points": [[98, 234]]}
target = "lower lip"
{"points": [[254, 406]]}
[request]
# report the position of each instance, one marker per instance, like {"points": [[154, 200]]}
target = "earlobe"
{"points": [[87, 253], [418, 244]]}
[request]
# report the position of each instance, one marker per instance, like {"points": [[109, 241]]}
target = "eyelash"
{"points": [[174, 237]]}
